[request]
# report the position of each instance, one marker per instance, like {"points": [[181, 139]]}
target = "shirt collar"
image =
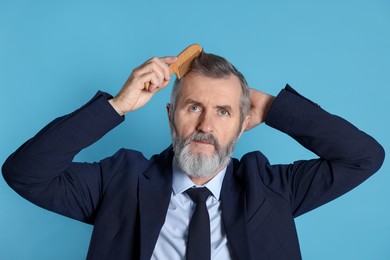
{"points": [[181, 182]]}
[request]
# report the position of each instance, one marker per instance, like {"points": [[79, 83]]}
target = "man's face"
{"points": [[206, 121]]}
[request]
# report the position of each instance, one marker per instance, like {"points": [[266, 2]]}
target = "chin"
{"points": [[202, 153], [202, 149]]}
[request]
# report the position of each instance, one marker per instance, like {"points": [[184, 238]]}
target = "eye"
{"points": [[223, 112], [194, 108]]}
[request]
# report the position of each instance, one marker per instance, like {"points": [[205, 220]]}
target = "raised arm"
{"points": [[42, 171], [347, 155]]}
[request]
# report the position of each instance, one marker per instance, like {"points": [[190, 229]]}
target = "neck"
{"points": [[203, 180]]}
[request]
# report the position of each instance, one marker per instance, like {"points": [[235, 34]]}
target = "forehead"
{"points": [[213, 91]]}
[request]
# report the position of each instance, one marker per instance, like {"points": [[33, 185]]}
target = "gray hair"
{"points": [[217, 67]]}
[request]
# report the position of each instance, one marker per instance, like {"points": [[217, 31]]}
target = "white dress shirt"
{"points": [[171, 243]]}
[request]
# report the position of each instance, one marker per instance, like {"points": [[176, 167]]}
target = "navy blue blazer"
{"points": [[126, 196]]}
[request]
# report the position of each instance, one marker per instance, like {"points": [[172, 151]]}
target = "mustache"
{"points": [[202, 137]]}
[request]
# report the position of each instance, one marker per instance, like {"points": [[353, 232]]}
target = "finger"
{"points": [[160, 66], [150, 68], [152, 82], [155, 81], [163, 63], [169, 59], [159, 71], [159, 87]]}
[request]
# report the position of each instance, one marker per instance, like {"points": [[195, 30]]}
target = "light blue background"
{"points": [[54, 56]]}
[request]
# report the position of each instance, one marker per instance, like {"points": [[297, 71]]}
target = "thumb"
{"points": [[169, 59]]}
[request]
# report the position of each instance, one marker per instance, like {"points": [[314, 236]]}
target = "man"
{"points": [[140, 207]]}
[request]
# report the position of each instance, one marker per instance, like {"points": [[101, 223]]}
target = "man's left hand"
{"points": [[260, 104]]}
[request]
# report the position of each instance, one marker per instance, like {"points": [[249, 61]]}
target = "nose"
{"points": [[205, 123]]}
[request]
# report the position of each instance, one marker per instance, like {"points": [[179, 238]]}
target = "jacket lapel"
{"points": [[155, 188], [233, 214]]}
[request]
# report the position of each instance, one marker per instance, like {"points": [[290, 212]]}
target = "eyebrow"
{"points": [[192, 101], [226, 107], [219, 107]]}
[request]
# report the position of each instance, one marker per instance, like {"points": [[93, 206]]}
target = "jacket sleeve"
{"points": [[347, 156], [42, 171]]}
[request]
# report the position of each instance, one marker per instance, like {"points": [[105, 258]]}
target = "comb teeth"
{"points": [[185, 67]]}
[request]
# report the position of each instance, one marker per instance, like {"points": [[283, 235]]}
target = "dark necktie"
{"points": [[198, 241]]}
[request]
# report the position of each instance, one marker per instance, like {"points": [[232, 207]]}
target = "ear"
{"points": [[169, 111], [244, 125]]}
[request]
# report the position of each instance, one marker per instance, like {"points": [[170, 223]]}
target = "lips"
{"points": [[203, 142]]}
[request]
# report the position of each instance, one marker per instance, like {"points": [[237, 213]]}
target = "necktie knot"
{"points": [[198, 194]]}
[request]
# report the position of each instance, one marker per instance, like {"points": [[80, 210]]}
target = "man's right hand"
{"points": [[133, 94]]}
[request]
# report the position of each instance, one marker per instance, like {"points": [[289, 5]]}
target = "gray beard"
{"points": [[197, 165]]}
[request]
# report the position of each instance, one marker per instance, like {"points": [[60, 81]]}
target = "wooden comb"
{"points": [[183, 62]]}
